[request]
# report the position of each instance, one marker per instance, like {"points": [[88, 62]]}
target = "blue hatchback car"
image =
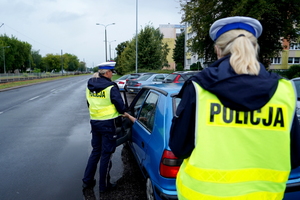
{"points": [[154, 107]]}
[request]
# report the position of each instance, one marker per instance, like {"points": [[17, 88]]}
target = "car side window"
{"points": [[147, 114], [139, 103], [176, 102], [181, 78], [159, 78]]}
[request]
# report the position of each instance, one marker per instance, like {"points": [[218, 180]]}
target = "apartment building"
{"points": [[290, 55], [170, 32]]}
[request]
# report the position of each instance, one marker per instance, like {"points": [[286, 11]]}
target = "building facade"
{"points": [[289, 56], [170, 32]]}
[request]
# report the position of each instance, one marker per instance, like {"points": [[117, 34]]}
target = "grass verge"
{"points": [[29, 82]]}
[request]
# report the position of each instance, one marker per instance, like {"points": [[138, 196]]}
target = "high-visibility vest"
{"points": [[100, 105], [239, 155]]}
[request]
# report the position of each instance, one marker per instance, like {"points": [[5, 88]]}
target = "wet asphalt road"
{"points": [[130, 184], [45, 144]]}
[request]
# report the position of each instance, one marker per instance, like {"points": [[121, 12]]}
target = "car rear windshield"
{"points": [[134, 76], [171, 77], [144, 77]]}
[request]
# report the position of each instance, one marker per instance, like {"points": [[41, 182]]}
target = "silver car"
{"points": [[121, 82], [134, 86]]}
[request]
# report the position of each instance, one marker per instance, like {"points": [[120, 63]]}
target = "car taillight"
{"points": [[169, 164], [121, 82], [138, 84]]}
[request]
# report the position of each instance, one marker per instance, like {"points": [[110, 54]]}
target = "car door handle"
{"points": [[143, 145]]}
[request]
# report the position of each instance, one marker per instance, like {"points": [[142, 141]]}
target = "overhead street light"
{"points": [[4, 47], [110, 48], [105, 37]]}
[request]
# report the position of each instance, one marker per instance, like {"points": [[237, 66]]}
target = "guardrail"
{"points": [[11, 77]]}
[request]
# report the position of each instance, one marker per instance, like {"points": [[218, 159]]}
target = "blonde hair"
{"points": [[100, 72], [243, 47], [96, 75]]}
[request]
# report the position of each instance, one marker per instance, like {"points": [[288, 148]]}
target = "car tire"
{"points": [[149, 189]]}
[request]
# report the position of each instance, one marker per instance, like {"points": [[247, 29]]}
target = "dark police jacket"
{"points": [[237, 92], [97, 85]]}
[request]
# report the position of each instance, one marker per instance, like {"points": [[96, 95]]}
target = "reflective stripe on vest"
{"points": [[239, 155], [100, 105]]}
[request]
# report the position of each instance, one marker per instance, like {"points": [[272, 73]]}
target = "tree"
{"points": [[82, 66], [152, 52], [52, 63], [279, 18], [120, 49], [20, 56], [70, 62], [17, 54], [126, 60], [178, 52], [36, 60]]}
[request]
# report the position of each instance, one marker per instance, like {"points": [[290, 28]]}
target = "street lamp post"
{"points": [[105, 38], [136, 36], [110, 48], [4, 47]]}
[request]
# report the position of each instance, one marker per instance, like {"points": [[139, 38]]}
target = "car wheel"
{"points": [[149, 190]]}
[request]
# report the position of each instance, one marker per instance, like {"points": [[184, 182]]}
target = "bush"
{"points": [[196, 66], [292, 72], [36, 70], [179, 67]]}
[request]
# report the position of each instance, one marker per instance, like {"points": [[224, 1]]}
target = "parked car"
{"points": [[121, 82], [154, 107], [179, 77], [134, 86], [135, 76], [297, 88]]}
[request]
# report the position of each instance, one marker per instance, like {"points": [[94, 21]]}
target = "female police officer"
{"points": [[235, 125], [105, 104]]}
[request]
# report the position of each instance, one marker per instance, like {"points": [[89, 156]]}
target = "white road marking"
{"points": [[34, 98]]}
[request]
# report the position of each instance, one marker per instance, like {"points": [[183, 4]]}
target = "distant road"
{"points": [[45, 144]]}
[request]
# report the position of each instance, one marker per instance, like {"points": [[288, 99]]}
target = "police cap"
{"points": [[237, 22]]}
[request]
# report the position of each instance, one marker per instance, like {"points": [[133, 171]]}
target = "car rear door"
{"points": [[293, 185]]}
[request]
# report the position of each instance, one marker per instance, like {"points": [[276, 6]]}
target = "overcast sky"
{"points": [[70, 25]]}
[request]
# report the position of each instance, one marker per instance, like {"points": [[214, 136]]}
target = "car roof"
{"points": [[186, 72], [151, 75], [142, 73], [166, 88], [123, 77], [295, 79]]}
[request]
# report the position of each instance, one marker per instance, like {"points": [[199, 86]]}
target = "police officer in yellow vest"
{"points": [[105, 105], [235, 126]]}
